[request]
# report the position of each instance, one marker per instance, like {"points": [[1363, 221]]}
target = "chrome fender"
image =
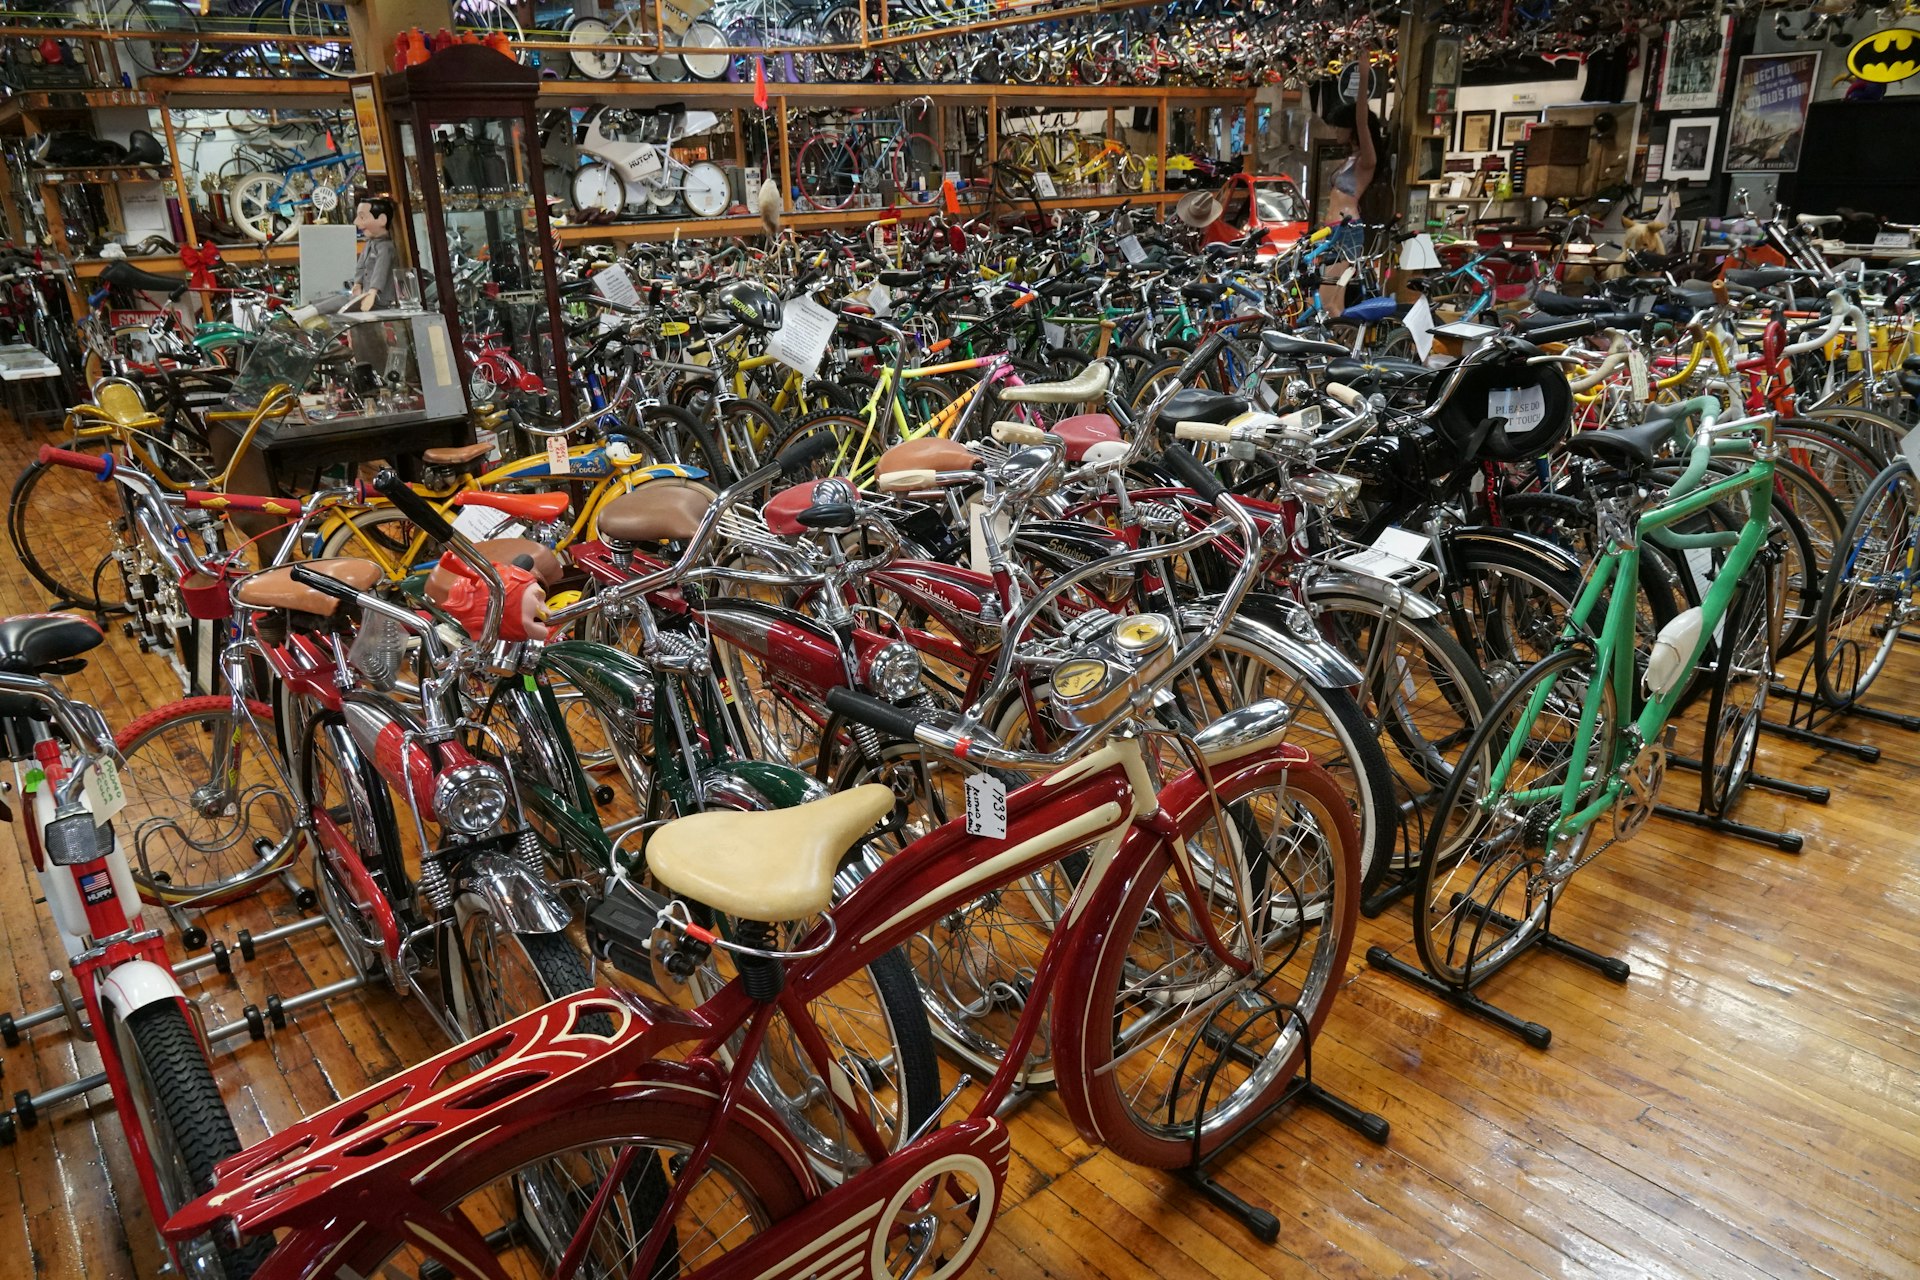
{"points": [[1320, 664], [1494, 535], [1391, 597], [514, 895]]}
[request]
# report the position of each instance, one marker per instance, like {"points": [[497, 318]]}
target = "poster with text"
{"points": [[1770, 99], [1694, 71]]}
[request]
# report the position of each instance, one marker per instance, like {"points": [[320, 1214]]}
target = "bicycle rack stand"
{"points": [[253, 1021], [1464, 998], [1397, 884], [1303, 1088], [193, 935], [1812, 710]]}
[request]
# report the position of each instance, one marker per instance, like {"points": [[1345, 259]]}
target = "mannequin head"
{"points": [[372, 216]]}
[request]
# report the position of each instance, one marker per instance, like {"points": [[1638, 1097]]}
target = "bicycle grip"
{"points": [[206, 500], [1202, 431], [97, 297], [1203, 356], [873, 713], [390, 486], [1345, 394], [323, 584], [1018, 433], [1566, 331], [98, 464], [1189, 471], [806, 453]]}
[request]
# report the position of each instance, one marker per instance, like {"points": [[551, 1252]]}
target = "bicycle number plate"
{"points": [[986, 806], [645, 163], [105, 795]]}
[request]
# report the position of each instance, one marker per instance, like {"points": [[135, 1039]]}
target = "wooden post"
{"points": [[1410, 102], [786, 157], [1166, 113], [373, 25]]}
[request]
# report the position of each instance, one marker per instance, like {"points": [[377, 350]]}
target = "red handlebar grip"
{"points": [[208, 501], [96, 463]]}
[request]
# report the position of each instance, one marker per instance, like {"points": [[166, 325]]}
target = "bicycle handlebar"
{"points": [[1842, 312], [100, 465]]}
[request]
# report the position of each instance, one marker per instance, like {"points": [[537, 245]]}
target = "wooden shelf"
{"points": [[726, 94], [220, 91], [169, 263], [816, 220]]}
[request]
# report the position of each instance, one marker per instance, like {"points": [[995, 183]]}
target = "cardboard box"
{"points": [[1557, 180], [1558, 144]]}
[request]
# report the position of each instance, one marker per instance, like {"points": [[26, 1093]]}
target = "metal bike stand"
{"points": [[1463, 996], [1706, 817], [1395, 885], [1302, 1089], [1819, 711], [193, 935]]}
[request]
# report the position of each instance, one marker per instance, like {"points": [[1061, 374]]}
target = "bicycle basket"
{"points": [[1532, 404]]}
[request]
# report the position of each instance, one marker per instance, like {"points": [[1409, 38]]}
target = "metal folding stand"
{"points": [[1818, 711], [1716, 819], [1397, 882], [193, 936], [1303, 1089], [1462, 996]]}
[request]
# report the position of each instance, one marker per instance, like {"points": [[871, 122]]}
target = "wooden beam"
{"points": [[786, 157], [374, 25]]}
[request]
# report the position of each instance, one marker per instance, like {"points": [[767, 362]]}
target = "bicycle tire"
{"points": [[316, 18], [1457, 839], [1095, 1080], [668, 434], [386, 529], [825, 157], [77, 511], [259, 210], [1743, 672], [187, 1128], [1867, 581], [364, 808], [845, 428]]}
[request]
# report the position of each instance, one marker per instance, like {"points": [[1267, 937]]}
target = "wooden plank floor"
{"points": [[1747, 1105]]}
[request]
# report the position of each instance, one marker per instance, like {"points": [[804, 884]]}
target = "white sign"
{"points": [[1893, 240], [986, 806], [1419, 323], [477, 524], [1043, 183], [880, 298], [615, 285], [1637, 374], [106, 797], [801, 340], [1056, 335], [1395, 554], [1132, 250], [1524, 408]]}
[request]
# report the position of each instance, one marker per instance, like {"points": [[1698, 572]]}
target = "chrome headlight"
{"points": [[894, 671], [470, 799]]}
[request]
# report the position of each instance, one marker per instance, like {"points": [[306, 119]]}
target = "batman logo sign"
{"points": [[1886, 57]]}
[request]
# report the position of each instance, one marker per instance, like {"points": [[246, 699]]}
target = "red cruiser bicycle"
{"points": [[1209, 922]]}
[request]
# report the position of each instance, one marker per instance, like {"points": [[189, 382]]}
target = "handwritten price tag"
{"points": [[986, 806], [106, 797], [559, 461]]}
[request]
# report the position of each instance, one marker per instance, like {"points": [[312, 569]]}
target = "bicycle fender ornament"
{"points": [[523, 614], [1886, 57]]}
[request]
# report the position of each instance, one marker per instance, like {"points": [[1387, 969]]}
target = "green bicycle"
{"points": [[1575, 739]]}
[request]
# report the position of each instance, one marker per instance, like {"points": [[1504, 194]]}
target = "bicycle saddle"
{"points": [[1381, 371], [665, 510], [34, 643], [276, 589], [899, 279], [1199, 292], [537, 507], [927, 453], [1559, 304], [1372, 310], [1624, 446], [461, 455], [122, 274], [771, 865], [1089, 384], [1288, 346], [1084, 432], [1197, 404], [1764, 277]]}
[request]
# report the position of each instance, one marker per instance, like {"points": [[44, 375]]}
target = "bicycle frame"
{"points": [[1615, 578]]}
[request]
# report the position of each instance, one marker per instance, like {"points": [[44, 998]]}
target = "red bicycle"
{"points": [[1209, 924]]}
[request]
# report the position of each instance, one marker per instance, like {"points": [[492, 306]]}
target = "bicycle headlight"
{"points": [[894, 671], [470, 799]]}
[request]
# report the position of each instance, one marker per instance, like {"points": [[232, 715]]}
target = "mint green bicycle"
{"points": [[1583, 735]]}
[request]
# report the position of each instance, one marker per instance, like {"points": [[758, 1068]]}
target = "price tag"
{"points": [[1056, 335], [1043, 184], [106, 797], [1132, 250], [559, 461], [615, 285], [645, 164], [1637, 374], [880, 298], [491, 439], [801, 340], [1419, 324], [986, 806], [480, 523], [1524, 408]]}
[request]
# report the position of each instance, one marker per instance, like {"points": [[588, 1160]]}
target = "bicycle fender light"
{"points": [[1886, 57], [1668, 664]]}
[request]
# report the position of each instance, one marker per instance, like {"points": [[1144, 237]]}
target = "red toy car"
{"points": [[1273, 205]]}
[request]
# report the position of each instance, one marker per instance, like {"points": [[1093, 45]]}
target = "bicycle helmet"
{"points": [[750, 304], [1532, 403]]}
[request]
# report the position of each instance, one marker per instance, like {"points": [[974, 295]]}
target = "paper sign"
{"points": [[477, 524], [559, 461], [986, 806], [1132, 250], [1524, 408], [615, 285], [880, 298], [1637, 374], [801, 340], [1394, 554], [1419, 323], [1043, 183], [1418, 254], [1893, 240], [106, 797], [1056, 335]]}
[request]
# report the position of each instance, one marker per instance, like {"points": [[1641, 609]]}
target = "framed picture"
{"points": [[1513, 127], [1476, 131], [1693, 74], [1769, 118], [1690, 144], [1443, 62], [1432, 155]]}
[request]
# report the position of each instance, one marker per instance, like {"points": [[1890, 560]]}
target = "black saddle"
{"points": [[35, 643], [1287, 346], [1199, 292], [1630, 447], [900, 279], [1197, 404], [121, 274], [1560, 305], [1764, 277]]}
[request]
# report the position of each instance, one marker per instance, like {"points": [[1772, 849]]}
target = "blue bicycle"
{"points": [[270, 206]]}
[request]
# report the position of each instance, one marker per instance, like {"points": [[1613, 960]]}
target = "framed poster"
{"points": [[1769, 118], [366, 115], [1690, 144], [1693, 74], [1513, 127], [1476, 131]]}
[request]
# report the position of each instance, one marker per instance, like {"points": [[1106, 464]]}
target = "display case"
{"points": [[391, 369], [461, 128]]}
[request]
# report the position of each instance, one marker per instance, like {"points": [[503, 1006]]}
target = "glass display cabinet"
{"points": [[462, 133]]}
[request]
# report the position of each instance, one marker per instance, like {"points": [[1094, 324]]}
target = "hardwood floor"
{"points": [[1747, 1104]]}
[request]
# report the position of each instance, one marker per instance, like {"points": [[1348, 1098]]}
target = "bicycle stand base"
{"points": [[1461, 998], [1864, 752], [1784, 841], [1391, 890]]}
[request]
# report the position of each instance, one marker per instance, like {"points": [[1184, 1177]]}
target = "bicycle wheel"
{"points": [[333, 56], [174, 1100], [1487, 881], [206, 819], [667, 434], [841, 25], [846, 429], [828, 172], [705, 66], [264, 209], [1169, 1050], [60, 522], [1743, 671], [913, 166], [1834, 455], [1866, 598], [172, 48], [380, 534], [337, 781]]}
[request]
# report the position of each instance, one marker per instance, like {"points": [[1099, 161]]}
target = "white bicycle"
{"points": [[624, 170]]}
